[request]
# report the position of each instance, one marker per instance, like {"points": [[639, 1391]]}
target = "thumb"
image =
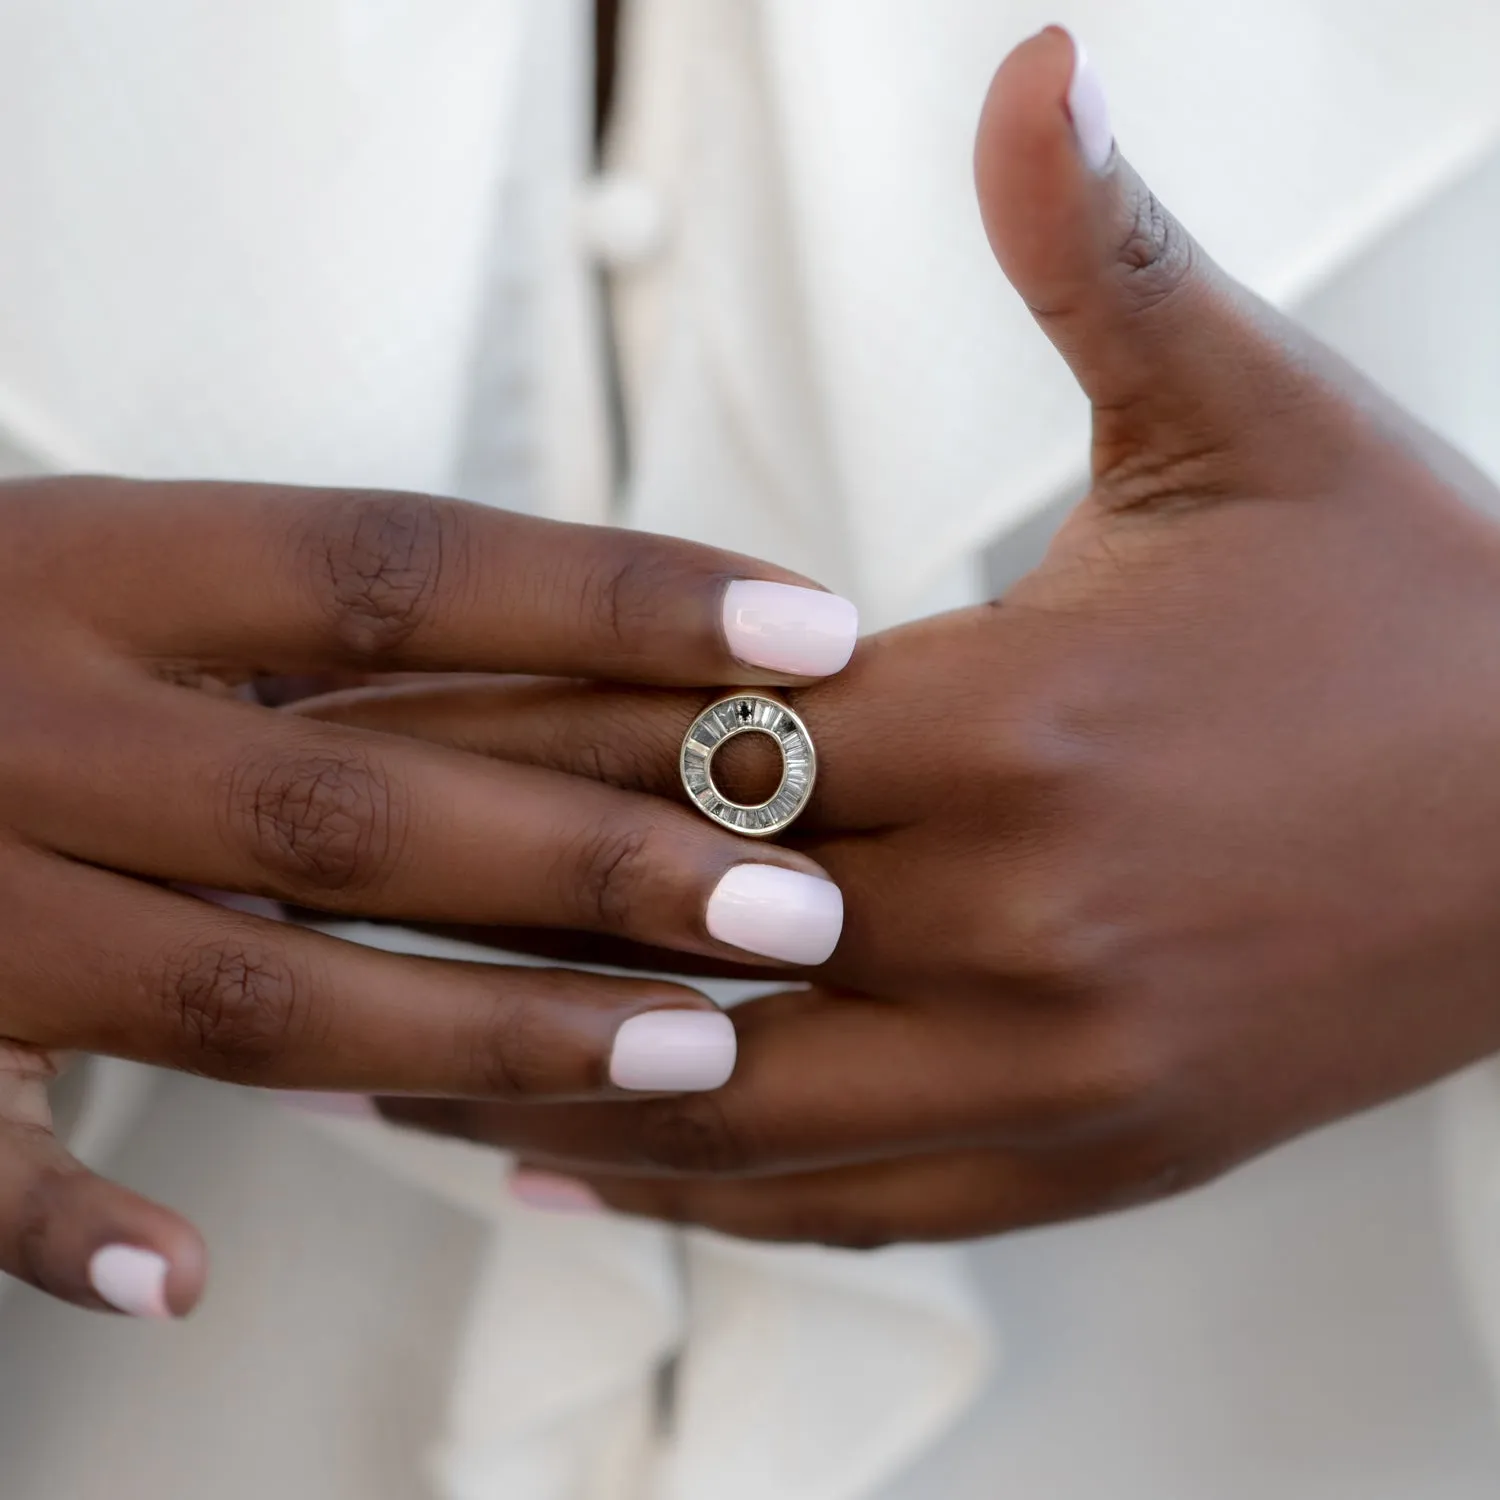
{"points": [[1156, 335], [74, 1234]]}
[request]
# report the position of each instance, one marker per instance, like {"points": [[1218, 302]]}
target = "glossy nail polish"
{"points": [[673, 1052], [777, 913], [781, 628]]}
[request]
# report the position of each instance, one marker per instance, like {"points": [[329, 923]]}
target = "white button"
{"points": [[623, 221]]}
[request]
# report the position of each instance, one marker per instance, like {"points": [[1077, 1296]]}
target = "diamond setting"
{"points": [[749, 713]]}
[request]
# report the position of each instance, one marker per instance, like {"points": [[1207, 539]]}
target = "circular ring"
{"points": [[749, 713]]}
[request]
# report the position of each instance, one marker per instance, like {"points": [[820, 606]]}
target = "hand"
{"points": [[115, 782], [1189, 844]]}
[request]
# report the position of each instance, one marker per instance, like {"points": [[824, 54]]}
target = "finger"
{"points": [[235, 797], [829, 1079], [899, 937], [73, 1234], [301, 580], [162, 978], [580, 948], [1161, 342], [951, 1197], [632, 739], [892, 928]]}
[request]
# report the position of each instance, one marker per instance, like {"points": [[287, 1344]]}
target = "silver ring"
{"points": [[749, 713]]}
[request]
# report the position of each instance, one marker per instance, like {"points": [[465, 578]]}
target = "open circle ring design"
{"points": [[749, 713]]}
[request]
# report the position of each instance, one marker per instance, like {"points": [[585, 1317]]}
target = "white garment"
{"points": [[822, 365]]}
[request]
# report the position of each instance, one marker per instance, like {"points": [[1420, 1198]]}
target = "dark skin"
{"points": [[128, 766], [1188, 845]]}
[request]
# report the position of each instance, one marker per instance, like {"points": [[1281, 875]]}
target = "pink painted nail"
{"points": [[552, 1194], [131, 1280], [777, 913], [674, 1052], [251, 906], [1089, 111], [782, 628]]}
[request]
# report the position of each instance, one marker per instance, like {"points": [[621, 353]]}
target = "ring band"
{"points": [[749, 713]]}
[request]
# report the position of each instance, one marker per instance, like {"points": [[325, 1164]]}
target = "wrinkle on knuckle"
{"points": [[236, 1009], [639, 594], [516, 1052], [625, 598], [325, 820], [1178, 475], [613, 602], [594, 761], [1154, 255], [613, 755], [615, 859], [692, 1135], [381, 563]]}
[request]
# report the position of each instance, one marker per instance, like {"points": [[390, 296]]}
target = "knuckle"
{"points": [[1114, 1078], [1051, 939], [326, 821], [1121, 1080], [612, 868], [1178, 475], [619, 753], [515, 1054], [43, 1205], [1038, 748], [380, 564], [1101, 1078], [237, 1009], [1154, 254], [692, 1135], [623, 601]]}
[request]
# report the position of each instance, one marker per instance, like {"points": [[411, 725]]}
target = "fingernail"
{"points": [[553, 1194], [673, 1052], [333, 1106], [777, 913], [131, 1280], [251, 906], [802, 632], [1089, 111]]}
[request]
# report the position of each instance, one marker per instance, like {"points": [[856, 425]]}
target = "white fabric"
{"points": [[261, 241]]}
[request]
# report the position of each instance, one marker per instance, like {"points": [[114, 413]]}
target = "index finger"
{"points": [[302, 580]]}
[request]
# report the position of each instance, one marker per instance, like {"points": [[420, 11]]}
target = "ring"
{"points": [[749, 713]]}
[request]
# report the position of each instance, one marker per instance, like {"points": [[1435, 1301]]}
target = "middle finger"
{"points": [[341, 819]]}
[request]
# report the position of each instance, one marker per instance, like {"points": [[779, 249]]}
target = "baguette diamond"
{"points": [[749, 713]]}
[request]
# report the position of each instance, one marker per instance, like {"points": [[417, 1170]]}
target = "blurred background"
{"points": [[713, 267]]}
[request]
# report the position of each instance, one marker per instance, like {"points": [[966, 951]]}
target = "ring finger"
{"points": [[233, 796], [159, 977]]}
